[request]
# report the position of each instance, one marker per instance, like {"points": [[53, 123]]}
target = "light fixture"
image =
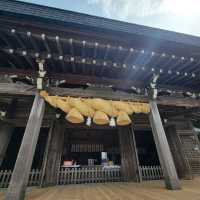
{"points": [[60, 57], [43, 36], [37, 55], [120, 48], [124, 65], [13, 31], [28, 33], [57, 37], [163, 55], [24, 53], [48, 55], [114, 64], [11, 51], [84, 42]]}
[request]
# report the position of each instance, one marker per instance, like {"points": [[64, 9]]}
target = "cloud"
{"points": [[126, 9], [175, 15]]}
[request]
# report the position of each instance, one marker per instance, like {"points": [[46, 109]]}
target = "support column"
{"points": [[55, 153], [6, 130], [44, 162], [171, 179], [129, 161], [20, 175]]}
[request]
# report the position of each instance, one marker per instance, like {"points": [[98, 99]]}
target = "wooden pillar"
{"points": [[6, 130], [55, 153], [129, 161], [44, 162], [171, 179], [20, 175], [182, 166]]}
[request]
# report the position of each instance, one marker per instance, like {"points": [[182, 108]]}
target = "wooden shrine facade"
{"points": [[73, 54]]}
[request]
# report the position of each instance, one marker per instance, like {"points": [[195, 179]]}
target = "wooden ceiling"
{"points": [[81, 56]]}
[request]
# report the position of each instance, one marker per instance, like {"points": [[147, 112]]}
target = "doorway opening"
{"points": [[147, 153]]}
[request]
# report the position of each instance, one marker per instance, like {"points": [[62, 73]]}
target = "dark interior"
{"points": [[14, 145], [83, 144], [147, 153]]}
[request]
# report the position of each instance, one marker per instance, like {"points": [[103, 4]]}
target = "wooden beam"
{"points": [[27, 90], [54, 153], [44, 163], [20, 175], [129, 164], [5, 135], [171, 179], [77, 79]]}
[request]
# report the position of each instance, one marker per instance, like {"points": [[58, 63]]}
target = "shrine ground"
{"points": [[152, 190]]}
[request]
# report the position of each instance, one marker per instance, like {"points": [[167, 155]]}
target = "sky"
{"points": [[175, 15]]}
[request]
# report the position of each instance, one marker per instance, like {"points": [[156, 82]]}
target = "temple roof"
{"points": [[81, 48]]}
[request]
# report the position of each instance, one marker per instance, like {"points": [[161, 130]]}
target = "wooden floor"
{"points": [[116, 191]]}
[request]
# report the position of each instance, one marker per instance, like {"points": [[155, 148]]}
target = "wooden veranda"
{"points": [[151, 190]]}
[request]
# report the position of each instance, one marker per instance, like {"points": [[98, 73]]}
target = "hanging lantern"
{"points": [[100, 118], [123, 119], [74, 116]]}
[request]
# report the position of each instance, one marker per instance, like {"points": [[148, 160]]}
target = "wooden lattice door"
{"points": [[191, 149]]}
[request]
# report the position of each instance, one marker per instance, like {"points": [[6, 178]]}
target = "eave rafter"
{"points": [[97, 62], [139, 64]]}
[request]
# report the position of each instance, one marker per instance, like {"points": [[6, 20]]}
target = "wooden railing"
{"points": [[34, 178], [88, 175], [151, 173]]}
